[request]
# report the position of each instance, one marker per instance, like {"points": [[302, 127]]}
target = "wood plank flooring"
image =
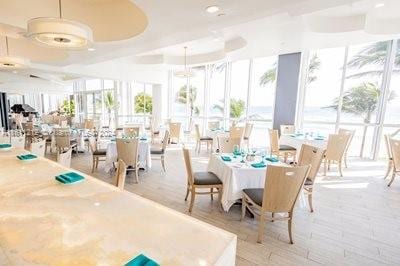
{"points": [[356, 219]]}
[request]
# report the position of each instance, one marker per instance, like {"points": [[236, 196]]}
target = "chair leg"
{"points": [[93, 164], [261, 227], [212, 195], [285, 157], [325, 162], [97, 162], [137, 174], [290, 228], [389, 169], [244, 205], [220, 198], [197, 147], [345, 160], [187, 192], [391, 180], [192, 196], [340, 168], [163, 163], [310, 201]]}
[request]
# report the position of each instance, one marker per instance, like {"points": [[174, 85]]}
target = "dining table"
{"points": [[46, 222], [215, 134], [296, 140]]}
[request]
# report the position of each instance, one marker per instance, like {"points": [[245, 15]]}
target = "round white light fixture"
{"points": [[9, 62], [186, 72], [378, 5], [91, 49], [212, 9]]}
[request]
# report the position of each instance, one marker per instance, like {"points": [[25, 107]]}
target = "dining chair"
{"points": [[18, 142], [389, 154], [236, 132], [247, 133], [277, 149], [281, 190], [38, 148], [64, 158], [199, 181], [202, 139], [287, 129], [343, 131], [153, 130], [64, 141], [127, 150], [312, 156], [160, 150], [97, 154], [119, 132], [175, 132], [212, 125], [120, 175], [335, 151], [226, 145], [89, 124], [131, 132], [395, 149]]}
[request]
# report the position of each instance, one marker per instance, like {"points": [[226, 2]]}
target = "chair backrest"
{"points": [[197, 131], [395, 149], [236, 132], [287, 129], [18, 142], [282, 187], [175, 130], [188, 165], [165, 140], [226, 145], [247, 130], [312, 156], [92, 144], [273, 139], [119, 132], [63, 141], [131, 131], [64, 158], [213, 125], [127, 150], [39, 147], [349, 132], [336, 146], [89, 124], [120, 175], [387, 144]]}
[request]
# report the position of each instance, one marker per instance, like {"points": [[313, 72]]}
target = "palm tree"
{"points": [[182, 96], [110, 104]]}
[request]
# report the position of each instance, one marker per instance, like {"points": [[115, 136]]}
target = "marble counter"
{"points": [[43, 222]]}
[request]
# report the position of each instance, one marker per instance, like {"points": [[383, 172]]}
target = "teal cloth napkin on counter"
{"points": [[259, 165], [69, 178], [272, 159], [25, 157], [142, 260], [226, 158], [319, 138], [143, 139], [5, 145]]}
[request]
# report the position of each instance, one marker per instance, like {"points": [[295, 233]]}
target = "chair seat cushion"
{"points": [[156, 151], [255, 194], [308, 182], [286, 148], [100, 152], [206, 178], [206, 138], [156, 132], [245, 138]]}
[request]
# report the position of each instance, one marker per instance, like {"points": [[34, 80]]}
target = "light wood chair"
{"points": [[236, 132], [389, 154], [175, 132], [64, 158], [160, 150], [131, 132], [89, 124], [280, 150], [343, 131], [225, 145], [18, 142], [127, 150], [97, 154], [247, 133], [287, 129], [154, 132], [200, 181], [335, 151], [279, 195], [119, 132], [120, 175], [64, 142], [212, 125], [312, 156], [202, 139], [395, 149], [38, 148]]}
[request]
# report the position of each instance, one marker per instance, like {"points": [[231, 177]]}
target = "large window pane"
{"points": [[239, 87], [196, 92], [262, 93], [179, 94], [217, 90], [323, 84], [393, 105]]}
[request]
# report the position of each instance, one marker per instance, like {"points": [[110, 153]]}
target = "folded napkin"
{"points": [[142, 260], [143, 139], [259, 165], [5, 146], [25, 157], [69, 178], [319, 138], [226, 158], [272, 159]]}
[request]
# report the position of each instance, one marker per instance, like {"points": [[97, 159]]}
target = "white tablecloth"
{"points": [[112, 155], [235, 177], [296, 142]]}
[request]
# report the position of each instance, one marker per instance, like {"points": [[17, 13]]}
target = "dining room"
{"points": [[234, 134]]}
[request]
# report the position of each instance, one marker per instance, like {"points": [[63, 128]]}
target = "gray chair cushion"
{"points": [[308, 182], [206, 138], [245, 138], [206, 178], [100, 152], [255, 194], [156, 151], [286, 148]]}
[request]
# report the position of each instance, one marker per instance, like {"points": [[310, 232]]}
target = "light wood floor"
{"points": [[356, 219]]}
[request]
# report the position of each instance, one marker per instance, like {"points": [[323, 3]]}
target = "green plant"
{"points": [[109, 103], [68, 107], [236, 109], [143, 103], [184, 96]]}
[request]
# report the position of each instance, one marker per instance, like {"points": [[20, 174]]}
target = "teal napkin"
{"points": [[5, 146], [259, 165], [69, 178], [25, 157], [272, 159], [143, 139], [226, 158], [142, 260], [319, 138]]}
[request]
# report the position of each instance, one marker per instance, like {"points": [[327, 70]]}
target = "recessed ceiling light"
{"points": [[212, 9], [91, 49], [378, 5]]}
